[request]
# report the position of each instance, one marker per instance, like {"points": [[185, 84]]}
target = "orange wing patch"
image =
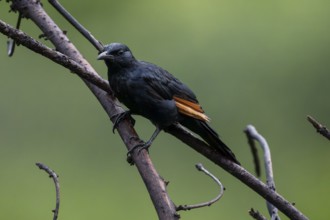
{"points": [[191, 109]]}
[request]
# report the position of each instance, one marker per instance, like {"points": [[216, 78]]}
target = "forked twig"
{"points": [[200, 167], [54, 176]]}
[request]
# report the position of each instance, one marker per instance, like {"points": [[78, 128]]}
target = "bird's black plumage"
{"points": [[154, 93]]}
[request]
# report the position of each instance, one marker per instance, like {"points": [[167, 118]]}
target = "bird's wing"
{"points": [[165, 86], [190, 109]]}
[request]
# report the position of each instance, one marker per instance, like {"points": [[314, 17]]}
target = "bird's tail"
{"points": [[210, 136]]}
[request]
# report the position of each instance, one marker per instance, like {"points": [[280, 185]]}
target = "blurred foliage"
{"points": [[260, 62]]}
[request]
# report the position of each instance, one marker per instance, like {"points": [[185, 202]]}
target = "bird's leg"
{"points": [[120, 117], [147, 144], [153, 137]]}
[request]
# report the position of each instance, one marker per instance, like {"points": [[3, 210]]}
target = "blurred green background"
{"points": [[259, 62]]}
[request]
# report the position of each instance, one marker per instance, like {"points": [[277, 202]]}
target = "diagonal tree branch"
{"points": [[156, 187], [130, 138]]}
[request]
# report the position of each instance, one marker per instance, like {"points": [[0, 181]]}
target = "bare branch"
{"points": [[253, 134], [319, 127], [54, 176], [200, 167]]}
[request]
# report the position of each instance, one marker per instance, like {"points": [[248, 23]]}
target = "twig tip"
{"points": [[199, 166]]}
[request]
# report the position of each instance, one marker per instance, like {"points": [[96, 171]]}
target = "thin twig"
{"points": [[97, 44], [256, 215], [54, 176], [319, 127], [252, 133], [200, 167]]}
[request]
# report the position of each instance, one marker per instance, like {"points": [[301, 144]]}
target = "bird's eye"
{"points": [[120, 52]]}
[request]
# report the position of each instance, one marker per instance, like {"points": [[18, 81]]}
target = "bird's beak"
{"points": [[104, 56]]}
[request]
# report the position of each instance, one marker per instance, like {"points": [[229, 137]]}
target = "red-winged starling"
{"points": [[154, 93]]}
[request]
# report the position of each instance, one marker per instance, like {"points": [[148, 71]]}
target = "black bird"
{"points": [[155, 94]]}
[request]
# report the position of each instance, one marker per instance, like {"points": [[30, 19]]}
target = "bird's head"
{"points": [[116, 54]]}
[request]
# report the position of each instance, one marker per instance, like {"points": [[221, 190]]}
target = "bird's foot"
{"points": [[141, 146], [119, 117]]}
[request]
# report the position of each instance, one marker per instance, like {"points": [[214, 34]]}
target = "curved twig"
{"points": [[319, 127], [200, 167], [54, 176], [253, 134]]}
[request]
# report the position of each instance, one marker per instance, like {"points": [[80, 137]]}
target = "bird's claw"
{"points": [[145, 147], [141, 146], [120, 117]]}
